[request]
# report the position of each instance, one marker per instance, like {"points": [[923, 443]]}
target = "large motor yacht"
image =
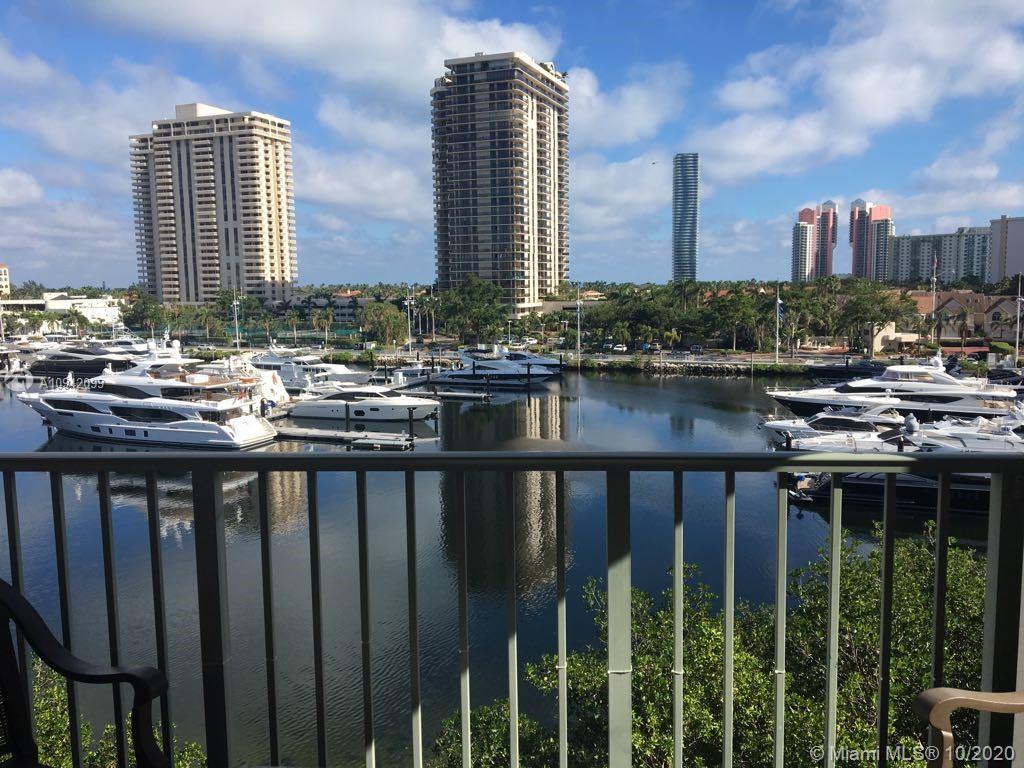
{"points": [[526, 358], [364, 403], [78, 362], [482, 369], [926, 391], [158, 402], [831, 420], [297, 366]]}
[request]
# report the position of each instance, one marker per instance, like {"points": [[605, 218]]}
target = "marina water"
{"points": [[618, 412]]}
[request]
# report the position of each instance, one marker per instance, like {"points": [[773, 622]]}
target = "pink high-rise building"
{"points": [[814, 240], [871, 231]]}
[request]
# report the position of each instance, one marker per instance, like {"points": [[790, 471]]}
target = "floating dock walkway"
{"points": [[370, 441]]}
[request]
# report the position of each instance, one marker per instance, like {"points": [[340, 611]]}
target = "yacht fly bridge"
{"points": [[296, 366]]}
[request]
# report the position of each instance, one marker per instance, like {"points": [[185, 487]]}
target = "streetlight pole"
{"points": [[508, 339], [579, 313], [778, 307], [238, 338], [408, 314], [1016, 345]]}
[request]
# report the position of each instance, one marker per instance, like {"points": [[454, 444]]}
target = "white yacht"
{"points": [[295, 366], [480, 369], [364, 402], [917, 438], [125, 344], [876, 419], [158, 402], [926, 391], [403, 376], [525, 357]]}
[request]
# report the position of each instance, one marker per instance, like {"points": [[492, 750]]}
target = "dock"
{"points": [[371, 441]]}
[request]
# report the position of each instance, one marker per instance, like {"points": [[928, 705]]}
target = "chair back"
{"points": [[15, 725]]}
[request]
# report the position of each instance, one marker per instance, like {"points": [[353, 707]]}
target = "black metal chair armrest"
{"points": [[937, 704], [147, 683]]}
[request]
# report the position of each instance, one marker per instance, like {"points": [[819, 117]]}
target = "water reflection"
{"points": [[535, 420]]}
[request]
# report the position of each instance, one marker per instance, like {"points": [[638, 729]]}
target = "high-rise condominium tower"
{"points": [[871, 231], [5, 280], [1007, 247], [501, 173], [814, 240], [214, 205], [685, 215]]}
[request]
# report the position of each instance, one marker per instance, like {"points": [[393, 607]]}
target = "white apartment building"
{"points": [[104, 309], [974, 252], [500, 128], [947, 256], [214, 205], [5, 280], [1007, 247], [804, 240]]}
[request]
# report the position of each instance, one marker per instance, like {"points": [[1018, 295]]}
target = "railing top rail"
{"points": [[541, 461]]}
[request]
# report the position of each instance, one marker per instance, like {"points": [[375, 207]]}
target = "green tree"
{"points": [[754, 665], [292, 318], [384, 321], [963, 326], [73, 318], [474, 310], [143, 310]]}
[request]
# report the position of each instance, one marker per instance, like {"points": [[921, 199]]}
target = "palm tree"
{"points": [[963, 326], [941, 320], [75, 318], [292, 318], [671, 338], [266, 322], [205, 317], [328, 319]]}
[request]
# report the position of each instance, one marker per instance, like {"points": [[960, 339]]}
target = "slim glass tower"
{"points": [[685, 215]]}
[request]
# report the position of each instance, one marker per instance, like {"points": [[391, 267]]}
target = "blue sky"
{"points": [[916, 104]]}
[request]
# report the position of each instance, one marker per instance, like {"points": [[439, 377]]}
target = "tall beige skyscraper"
{"points": [[500, 135], [214, 205]]}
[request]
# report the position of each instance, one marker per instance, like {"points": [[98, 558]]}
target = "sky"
{"points": [[917, 104]]}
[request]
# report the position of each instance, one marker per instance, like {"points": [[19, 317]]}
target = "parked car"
{"points": [[620, 348], [696, 349]]}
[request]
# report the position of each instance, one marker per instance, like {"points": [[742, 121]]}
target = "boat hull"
{"points": [[969, 494], [361, 412]]}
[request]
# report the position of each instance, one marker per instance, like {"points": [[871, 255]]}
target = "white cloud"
{"points": [[607, 196], [18, 188], [885, 63], [61, 241], [368, 183], [751, 94], [374, 127], [634, 111], [740, 248], [91, 121], [397, 45]]}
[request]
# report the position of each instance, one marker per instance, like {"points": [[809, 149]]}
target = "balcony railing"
{"points": [[207, 471]]}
